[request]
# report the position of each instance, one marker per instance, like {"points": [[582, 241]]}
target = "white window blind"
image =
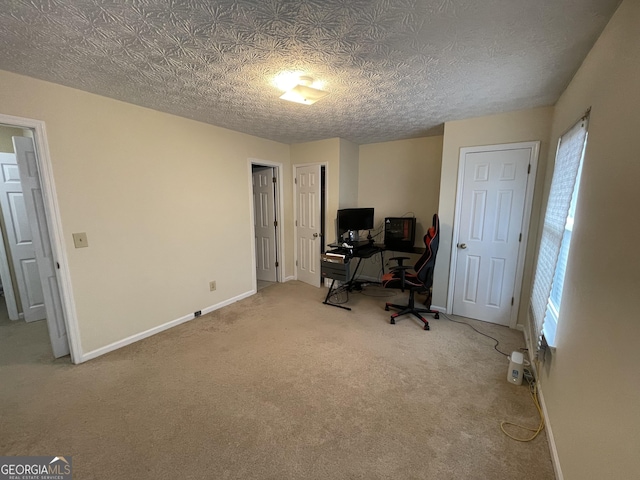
{"points": [[565, 174]]}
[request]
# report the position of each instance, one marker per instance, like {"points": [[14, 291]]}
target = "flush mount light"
{"points": [[303, 92]]}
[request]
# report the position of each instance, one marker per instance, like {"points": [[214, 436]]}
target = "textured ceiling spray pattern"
{"points": [[394, 68]]}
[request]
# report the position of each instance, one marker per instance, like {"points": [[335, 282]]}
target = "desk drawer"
{"points": [[335, 271]]}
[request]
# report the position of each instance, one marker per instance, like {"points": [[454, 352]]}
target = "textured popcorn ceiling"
{"points": [[394, 68]]}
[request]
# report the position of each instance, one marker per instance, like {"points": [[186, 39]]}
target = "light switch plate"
{"points": [[80, 240]]}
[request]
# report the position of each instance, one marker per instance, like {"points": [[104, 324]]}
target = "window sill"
{"points": [[548, 339]]}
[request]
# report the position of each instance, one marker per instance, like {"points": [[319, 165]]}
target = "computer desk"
{"points": [[336, 263]]}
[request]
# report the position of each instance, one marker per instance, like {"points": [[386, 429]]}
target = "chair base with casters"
{"points": [[411, 308]]}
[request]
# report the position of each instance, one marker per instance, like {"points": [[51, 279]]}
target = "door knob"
{"points": [[315, 235], [462, 245]]}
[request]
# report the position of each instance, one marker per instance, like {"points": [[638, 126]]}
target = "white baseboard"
{"points": [[160, 328], [439, 309], [289, 278], [555, 459]]}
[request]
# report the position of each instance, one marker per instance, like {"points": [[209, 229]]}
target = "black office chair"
{"points": [[419, 281]]}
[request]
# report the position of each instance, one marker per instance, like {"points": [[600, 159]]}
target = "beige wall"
{"points": [[165, 202], [349, 161], [591, 384], [393, 177], [519, 126], [400, 178], [6, 143]]}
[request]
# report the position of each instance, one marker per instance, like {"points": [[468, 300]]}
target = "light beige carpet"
{"points": [[278, 386]]}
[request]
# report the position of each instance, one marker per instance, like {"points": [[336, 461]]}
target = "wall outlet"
{"points": [[198, 313], [212, 285]]}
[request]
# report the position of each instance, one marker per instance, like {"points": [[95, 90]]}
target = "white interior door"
{"points": [[5, 267], [308, 237], [21, 252], [493, 186], [265, 229], [34, 205]]}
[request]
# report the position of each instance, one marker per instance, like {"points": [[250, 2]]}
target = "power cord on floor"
{"points": [[477, 331], [339, 296], [533, 390]]}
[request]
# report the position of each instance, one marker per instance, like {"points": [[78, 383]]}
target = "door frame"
{"points": [[526, 220], [323, 210], [278, 210], [54, 225]]}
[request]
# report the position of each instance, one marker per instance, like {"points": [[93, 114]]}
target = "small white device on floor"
{"points": [[516, 368]]}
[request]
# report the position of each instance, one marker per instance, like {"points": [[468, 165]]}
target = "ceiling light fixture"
{"points": [[303, 92]]}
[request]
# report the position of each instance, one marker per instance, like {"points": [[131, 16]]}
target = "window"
{"points": [[555, 297], [557, 229]]}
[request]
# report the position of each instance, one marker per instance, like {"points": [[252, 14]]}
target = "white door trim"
{"points": [[279, 209], [526, 219], [56, 233], [295, 208]]}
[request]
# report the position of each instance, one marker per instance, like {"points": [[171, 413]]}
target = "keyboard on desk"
{"points": [[361, 249], [366, 251]]}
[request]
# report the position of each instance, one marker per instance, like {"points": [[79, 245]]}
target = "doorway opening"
{"points": [[266, 210], [31, 255]]}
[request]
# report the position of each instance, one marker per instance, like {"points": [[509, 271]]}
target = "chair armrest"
{"points": [[400, 260], [399, 268]]}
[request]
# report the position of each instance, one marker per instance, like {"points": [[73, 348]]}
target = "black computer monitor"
{"points": [[354, 219]]}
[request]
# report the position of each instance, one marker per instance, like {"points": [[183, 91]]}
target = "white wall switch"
{"points": [[80, 240]]}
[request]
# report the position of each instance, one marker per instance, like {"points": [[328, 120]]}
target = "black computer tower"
{"points": [[399, 232]]}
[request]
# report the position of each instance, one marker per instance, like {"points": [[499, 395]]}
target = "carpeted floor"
{"points": [[277, 386]]}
